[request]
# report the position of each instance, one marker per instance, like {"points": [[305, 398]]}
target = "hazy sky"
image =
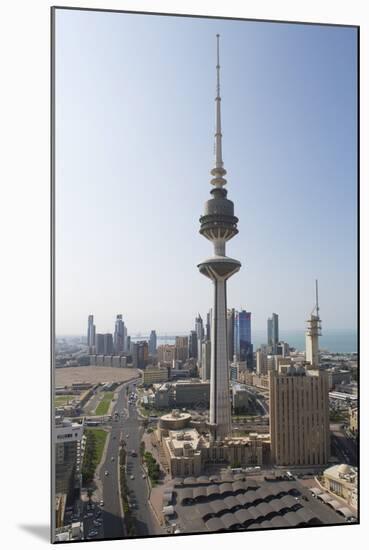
{"points": [[134, 147]]}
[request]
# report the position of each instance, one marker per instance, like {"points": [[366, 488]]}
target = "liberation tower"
{"points": [[219, 225]]}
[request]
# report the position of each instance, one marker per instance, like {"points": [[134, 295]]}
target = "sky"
{"points": [[134, 138]]}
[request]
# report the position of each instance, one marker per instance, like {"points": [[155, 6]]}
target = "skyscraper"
{"points": [[140, 354], [152, 343], [108, 344], [299, 416], [181, 348], [208, 326], [230, 333], [192, 345], [219, 225], [119, 335], [273, 332], [91, 332], [312, 334], [199, 328], [242, 337]]}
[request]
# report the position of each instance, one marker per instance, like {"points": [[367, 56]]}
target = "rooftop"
{"points": [[211, 506]]}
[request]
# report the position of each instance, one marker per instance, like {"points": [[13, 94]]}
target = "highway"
{"points": [[146, 524], [127, 427]]}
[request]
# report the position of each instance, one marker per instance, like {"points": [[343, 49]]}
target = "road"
{"points": [[112, 520], [342, 447], [129, 429], [146, 524]]}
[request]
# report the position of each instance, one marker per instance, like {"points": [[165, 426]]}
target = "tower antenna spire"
{"points": [[218, 171], [316, 297]]}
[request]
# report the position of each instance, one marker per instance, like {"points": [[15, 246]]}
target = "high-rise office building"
{"points": [[206, 360], [199, 328], [219, 225], [230, 333], [108, 344], [273, 332], [126, 346], [192, 345], [261, 362], [104, 344], [166, 353], [181, 348], [99, 344], [208, 326], [242, 337], [119, 335], [312, 334], [140, 354], [299, 416], [91, 332], [152, 343]]}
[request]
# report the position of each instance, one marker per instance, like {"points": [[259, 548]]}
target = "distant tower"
{"points": [[91, 332], [152, 343], [119, 335], [273, 332], [219, 225], [199, 328], [312, 334]]}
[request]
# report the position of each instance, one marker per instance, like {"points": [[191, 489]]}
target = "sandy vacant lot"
{"points": [[73, 375]]}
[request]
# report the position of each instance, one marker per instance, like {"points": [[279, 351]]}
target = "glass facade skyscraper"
{"points": [[242, 337]]}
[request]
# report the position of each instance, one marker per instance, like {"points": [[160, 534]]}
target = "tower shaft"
{"points": [[219, 225]]}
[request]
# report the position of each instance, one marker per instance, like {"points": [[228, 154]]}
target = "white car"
{"points": [[106, 473], [131, 477]]}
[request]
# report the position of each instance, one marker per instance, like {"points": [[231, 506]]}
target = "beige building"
{"points": [[299, 416], [182, 450], [166, 353], [153, 375], [353, 417], [261, 362], [342, 481], [181, 348], [187, 452]]}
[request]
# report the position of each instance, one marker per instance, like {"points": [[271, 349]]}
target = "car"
{"points": [[127, 436], [101, 503], [112, 459], [131, 477], [106, 473], [143, 476]]}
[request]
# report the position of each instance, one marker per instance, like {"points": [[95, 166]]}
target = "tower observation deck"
{"points": [[219, 224]]}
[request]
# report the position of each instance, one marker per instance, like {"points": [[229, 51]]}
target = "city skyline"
{"points": [[306, 189]]}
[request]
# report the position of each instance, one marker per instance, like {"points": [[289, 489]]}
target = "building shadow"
{"points": [[39, 531]]}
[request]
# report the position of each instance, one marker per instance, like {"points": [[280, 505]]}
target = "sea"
{"points": [[332, 340]]}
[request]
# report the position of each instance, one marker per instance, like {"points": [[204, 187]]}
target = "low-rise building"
{"points": [[153, 375], [192, 394], [342, 481], [182, 450]]}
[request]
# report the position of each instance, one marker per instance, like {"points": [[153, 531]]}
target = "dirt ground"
{"points": [[73, 375]]}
